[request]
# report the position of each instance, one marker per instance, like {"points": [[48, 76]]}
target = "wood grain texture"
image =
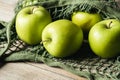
{"points": [[34, 71], [7, 9], [27, 70]]}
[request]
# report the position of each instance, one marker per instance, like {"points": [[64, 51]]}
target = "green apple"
{"points": [[62, 38], [104, 38], [85, 20], [30, 22]]}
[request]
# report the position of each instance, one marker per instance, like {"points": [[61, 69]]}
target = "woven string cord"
{"points": [[63, 8], [92, 64]]}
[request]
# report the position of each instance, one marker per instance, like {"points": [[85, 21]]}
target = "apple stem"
{"points": [[45, 41], [34, 8], [109, 25]]}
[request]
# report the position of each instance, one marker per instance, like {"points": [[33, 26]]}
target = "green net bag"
{"points": [[87, 65]]}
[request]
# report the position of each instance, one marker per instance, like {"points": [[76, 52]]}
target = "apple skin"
{"points": [[30, 22], [104, 38], [62, 38], [85, 20]]}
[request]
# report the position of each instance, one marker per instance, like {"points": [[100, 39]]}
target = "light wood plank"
{"points": [[34, 71], [7, 9], [58, 71]]}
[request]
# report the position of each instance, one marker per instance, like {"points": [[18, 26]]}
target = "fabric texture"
{"points": [[84, 63]]}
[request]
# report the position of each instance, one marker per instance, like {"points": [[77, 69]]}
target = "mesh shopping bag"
{"points": [[84, 63]]}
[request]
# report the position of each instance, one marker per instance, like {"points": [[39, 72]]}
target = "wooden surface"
{"points": [[27, 70], [34, 71]]}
